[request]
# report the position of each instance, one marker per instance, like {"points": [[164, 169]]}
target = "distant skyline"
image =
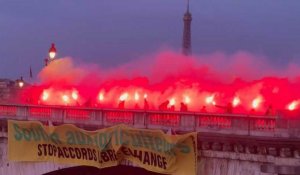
{"points": [[112, 32]]}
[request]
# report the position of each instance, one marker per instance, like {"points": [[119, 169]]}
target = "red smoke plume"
{"points": [[246, 81]]}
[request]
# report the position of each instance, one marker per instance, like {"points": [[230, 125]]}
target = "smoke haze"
{"points": [[169, 75]]}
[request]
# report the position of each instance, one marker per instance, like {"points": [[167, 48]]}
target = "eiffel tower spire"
{"points": [[186, 40]]}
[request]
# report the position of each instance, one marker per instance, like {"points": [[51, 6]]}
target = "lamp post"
{"points": [[20, 82], [52, 54]]}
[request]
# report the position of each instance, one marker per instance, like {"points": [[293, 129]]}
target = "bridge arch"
{"points": [[88, 170]]}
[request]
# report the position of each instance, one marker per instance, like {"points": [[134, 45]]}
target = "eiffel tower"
{"points": [[186, 40]]}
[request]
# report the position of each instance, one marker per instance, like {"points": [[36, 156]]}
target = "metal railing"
{"points": [[235, 124]]}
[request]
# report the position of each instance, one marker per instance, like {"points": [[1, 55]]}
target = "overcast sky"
{"points": [[112, 32]]}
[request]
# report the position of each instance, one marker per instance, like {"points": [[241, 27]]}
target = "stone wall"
{"points": [[232, 163]]}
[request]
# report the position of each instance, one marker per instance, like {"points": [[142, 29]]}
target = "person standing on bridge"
{"points": [[270, 111], [164, 106], [183, 107]]}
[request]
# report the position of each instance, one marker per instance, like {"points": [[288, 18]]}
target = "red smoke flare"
{"points": [[243, 80]]}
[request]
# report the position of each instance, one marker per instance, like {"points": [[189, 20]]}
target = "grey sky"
{"points": [[112, 32]]}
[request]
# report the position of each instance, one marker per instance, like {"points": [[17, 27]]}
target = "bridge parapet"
{"points": [[236, 124]]}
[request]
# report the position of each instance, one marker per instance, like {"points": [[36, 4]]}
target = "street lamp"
{"points": [[52, 54], [20, 82]]}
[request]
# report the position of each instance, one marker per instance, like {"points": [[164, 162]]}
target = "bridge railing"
{"points": [[236, 124]]}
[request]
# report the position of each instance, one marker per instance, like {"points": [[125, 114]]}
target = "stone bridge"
{"points": [[228, 144]]}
